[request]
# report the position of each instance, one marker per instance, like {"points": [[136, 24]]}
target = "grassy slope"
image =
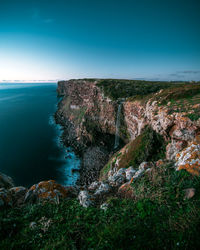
{"points": [[157, 218], [149, 146]]}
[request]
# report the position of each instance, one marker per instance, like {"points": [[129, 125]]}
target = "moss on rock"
{"points": [[148, 146]]}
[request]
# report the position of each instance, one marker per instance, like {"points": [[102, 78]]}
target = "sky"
{"points": [[133, 39]]}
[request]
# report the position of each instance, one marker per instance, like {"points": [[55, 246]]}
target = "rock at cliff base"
{"points": [[6, 181], [103, 189], [85, 199], [18, 195], [48, 191], [5, 198]]}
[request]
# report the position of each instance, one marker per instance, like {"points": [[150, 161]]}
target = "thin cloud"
{"points": [[187, 75], [189, 72], [37, 17]]}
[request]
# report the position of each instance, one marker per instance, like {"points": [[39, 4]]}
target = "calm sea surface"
{"points": [[30, 146]]}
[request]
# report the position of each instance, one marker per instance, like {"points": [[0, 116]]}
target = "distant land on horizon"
{"points": [[57, 80]]}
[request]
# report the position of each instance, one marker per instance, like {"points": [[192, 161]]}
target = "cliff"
{"points": [[89, 119], [140, 148], [88, 112]]}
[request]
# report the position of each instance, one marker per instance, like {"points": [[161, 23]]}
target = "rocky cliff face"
{"points": [[158, 129], [177, 129], [89, 118]]}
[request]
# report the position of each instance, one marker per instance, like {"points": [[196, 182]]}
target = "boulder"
{"points": [[5, 198], [18, 195], [189, 193], [6, 181], [104, 206], [94, 185], [85, 199], [130, 173], [117, 178], [48, 191], [103, 189]]}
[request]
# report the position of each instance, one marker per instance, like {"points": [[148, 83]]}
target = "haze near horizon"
{"points": [[52, 40]]}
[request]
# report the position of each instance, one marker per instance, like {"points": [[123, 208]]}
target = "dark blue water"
{"points": [[30, 146]]}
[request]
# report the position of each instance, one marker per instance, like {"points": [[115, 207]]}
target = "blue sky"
{"points": [[51, 40]]}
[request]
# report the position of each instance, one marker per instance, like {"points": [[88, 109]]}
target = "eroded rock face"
{"points": [[84, 104], [175, 127], [88, 118]]}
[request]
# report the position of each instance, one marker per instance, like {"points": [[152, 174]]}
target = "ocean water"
{"points": [[30, 145]]}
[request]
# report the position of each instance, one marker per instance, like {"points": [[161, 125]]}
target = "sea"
{"points": [[31, 149]]}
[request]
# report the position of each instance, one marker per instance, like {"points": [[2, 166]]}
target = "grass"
{"points": [[149, 146], [157, 218], [119, 88]]}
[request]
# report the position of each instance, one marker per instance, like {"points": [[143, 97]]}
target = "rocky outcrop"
{"points": [[49, 191], [177, 129], [45, 191], [189, 158]]}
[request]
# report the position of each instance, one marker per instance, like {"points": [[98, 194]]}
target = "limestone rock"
{"points": [[103, 189], [130, 173], [85, 199], [189, 158], [189, 193], [117, 179], [94, 185], [174, 148], [104, 206]]}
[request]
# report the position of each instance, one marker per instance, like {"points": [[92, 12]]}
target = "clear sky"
{"points": [[55, 39]]}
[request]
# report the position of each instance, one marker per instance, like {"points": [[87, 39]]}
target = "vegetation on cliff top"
{"points": [[116, 88], [158, 217]]}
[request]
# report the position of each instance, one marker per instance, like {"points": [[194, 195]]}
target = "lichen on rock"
{"points": [[189, 158]]}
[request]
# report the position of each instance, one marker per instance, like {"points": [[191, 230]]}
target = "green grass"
{"points": [[119, 88], [194, 116], [148, 146], [157, 218]]}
